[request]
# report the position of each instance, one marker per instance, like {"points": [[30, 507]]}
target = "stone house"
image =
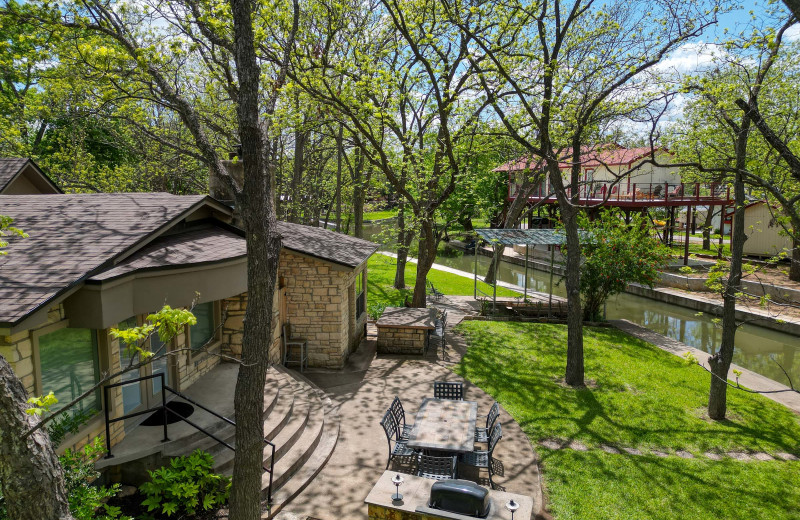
{"points": [[93, 262]]}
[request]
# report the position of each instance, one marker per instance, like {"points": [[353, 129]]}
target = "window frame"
{"points": [[216, 341], [102, 360]]}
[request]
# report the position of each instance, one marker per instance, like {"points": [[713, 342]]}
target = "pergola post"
{"points": [[475, 289], [494, 285], [525, 294]]}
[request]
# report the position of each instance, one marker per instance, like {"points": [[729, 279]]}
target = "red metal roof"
{"points": [[594, 156]]}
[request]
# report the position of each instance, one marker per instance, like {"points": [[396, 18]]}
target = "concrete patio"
{"points": [[363, 390]]}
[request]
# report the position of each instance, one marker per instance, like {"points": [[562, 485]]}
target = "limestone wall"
{"points": [[234, 309], [18, 349], [395, 340], [316, 307]]}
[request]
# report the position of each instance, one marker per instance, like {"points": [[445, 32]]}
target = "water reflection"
{"points": [[754, 345]]}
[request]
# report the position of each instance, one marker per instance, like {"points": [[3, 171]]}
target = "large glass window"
{"points": [[201, 332], [131, 394], [69, 367]]}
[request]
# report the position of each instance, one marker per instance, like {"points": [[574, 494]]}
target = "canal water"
{"points": [[756, 347]]}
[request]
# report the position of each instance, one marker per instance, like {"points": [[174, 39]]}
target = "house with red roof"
{"points": [[615, 176]]}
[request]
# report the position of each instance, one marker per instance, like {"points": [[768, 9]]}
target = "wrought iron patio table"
{"points": [[444, 425]]}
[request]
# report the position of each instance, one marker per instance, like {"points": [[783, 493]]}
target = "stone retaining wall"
{"points": [[395, 340]]}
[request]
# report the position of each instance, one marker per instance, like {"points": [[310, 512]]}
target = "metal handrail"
{"points": [[164, 410]]}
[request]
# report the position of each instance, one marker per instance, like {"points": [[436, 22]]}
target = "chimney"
{"points": [[217, 188]]}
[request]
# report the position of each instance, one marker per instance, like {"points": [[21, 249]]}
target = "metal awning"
{"points": [[526, 237]]}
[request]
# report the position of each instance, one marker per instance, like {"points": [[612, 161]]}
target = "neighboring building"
{"points": [[97, 261], [642, 184], [23, 177], [765, 236]]}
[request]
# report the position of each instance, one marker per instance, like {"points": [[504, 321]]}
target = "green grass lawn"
{"points": [[380, 215], [641, 397], [380, 279]]}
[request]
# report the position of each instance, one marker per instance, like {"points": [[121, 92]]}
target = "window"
{"points": [[360, 296], [69, 366], [131, 394], [202, 331]]}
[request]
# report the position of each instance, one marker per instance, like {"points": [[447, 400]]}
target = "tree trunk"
{"points": [[707, 228], [720, 362], [403, 241], [339, 153], [427, 255], [297, 177], [263, 252], [794, 268], [511, 219], [359, 194], [28, 467], [574, 373]]}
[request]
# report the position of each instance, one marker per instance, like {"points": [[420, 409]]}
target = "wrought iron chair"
{"points": [[482, 434], [390, 429], [438, 468], [448, 390], [439, 331], [399, 414], [437, 295], [483, 458], [298, 344]]}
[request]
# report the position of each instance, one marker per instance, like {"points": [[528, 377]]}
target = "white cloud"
{"points": [[690, 58]]}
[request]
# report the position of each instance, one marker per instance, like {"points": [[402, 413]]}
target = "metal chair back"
{"points": [[494, 413], [448, 390], [438, 468], [399, 414], [494, 437], [389, 427]]}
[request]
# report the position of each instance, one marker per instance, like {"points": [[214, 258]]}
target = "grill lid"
{"points": [[461, 497]]}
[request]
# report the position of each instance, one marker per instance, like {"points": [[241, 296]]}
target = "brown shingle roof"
{"points": [[9, 168], [192, 247], [325, 244], [72, 236]]}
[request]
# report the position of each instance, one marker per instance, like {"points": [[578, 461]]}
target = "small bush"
{"points": [[86, 501], [186, 486]]}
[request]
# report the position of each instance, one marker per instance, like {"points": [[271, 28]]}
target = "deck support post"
{"points": [[552, 263], [686, 242]]}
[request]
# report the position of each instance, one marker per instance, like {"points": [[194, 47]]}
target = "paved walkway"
{"points": [[531, 293], [363, 391]]}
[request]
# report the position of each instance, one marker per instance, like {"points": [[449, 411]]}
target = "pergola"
{"points": [[511, 237]]}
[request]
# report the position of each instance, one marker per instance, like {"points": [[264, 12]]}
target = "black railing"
{"points": [[163, 409]]}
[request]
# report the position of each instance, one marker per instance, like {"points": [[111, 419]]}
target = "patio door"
{"points": [[146, 393]]}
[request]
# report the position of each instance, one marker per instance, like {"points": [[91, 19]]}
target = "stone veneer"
{"points": [[320, 306], [401, 340], [17, 349]]}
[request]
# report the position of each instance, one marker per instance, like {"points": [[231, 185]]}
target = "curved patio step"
{"points": [[286, 421], [309, 454], [277, 395]]}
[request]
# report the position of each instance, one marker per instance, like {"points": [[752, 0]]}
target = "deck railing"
{"points": [[166, 411], [662, 192]]}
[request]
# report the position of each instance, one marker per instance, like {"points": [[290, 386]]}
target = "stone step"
{"points": [[295, 470], [284, 426], [277, 393]]}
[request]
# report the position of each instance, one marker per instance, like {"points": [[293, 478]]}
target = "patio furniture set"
{"points": [[444, 434]]}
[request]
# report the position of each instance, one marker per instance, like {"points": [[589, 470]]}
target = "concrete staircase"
{"points": [[302, 423]]}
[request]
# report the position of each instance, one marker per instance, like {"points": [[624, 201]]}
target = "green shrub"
{"points": [[186, 486], [87, 501]]}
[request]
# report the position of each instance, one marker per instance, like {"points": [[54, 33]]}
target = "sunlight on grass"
{"points": [[636, 396]]}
